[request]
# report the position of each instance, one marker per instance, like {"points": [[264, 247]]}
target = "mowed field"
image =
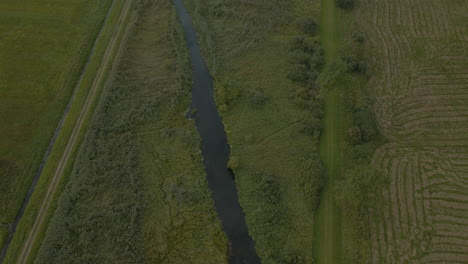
{"points": [[420, 49], [43, 46]]}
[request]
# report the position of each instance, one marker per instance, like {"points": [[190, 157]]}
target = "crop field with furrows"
{"points": [[265, 58], [421, 90], [43, 47], [138, 192]]}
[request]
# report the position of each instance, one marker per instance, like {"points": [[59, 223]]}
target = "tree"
{"points": [[364, 118], [308, 26], [361, 188], [233, 163], [257, 98], [311, 126], [354, 135], [298, 73], [345, 4]]}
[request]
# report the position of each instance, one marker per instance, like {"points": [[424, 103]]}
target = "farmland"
{"points": [[155, 205], [346, 123], [421, 90], [44, 46]]}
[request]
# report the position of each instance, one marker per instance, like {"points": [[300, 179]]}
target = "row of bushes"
{"points": [[361, 187], [306, 59]]}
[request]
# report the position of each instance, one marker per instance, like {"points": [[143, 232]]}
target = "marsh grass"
{"points": [[137, 192]]}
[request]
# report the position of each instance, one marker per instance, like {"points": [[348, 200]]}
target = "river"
{"points": [[216, 150]]}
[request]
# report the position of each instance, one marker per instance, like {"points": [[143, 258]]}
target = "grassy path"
{"points": [[327, 249], [113, 44]]}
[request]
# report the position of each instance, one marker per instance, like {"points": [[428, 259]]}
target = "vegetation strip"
{"points": [[71, 143]]}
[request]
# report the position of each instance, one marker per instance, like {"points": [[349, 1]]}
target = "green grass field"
{"points": [[44, 46], [154, 205]]}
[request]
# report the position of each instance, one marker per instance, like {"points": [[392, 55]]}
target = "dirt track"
{"points": [[24, 255]]}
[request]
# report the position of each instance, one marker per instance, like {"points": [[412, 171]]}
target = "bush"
{"points": [[297, 43], [299, 57], [223, 108], [311, 126], [257, 98], [354, 135], [359, 37], [313, 179], [345, 4], [317, 60], [361, 188], [355, 64], [312, 86], [364, 118], [308, 26], [233, 163], [298, 73], [312, 47]]}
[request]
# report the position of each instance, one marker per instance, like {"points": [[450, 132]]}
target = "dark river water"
{"points": [[216, 151]]}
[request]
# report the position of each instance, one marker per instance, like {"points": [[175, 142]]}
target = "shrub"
{"points": [[298, 73], [354, 135], [226, 92], [297, 43], [299, 57], [361, 188], [312, 47], [345, 4], [359, 37], [312, 86], [233, 163], [364, 118], [312, 179], [257, 98], [308, 26], [302, 93], [223, 108], [317, 60], [311, 126], [354, 64]]}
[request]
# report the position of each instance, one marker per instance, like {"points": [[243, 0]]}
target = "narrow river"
{"points": [[216, 151]]}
